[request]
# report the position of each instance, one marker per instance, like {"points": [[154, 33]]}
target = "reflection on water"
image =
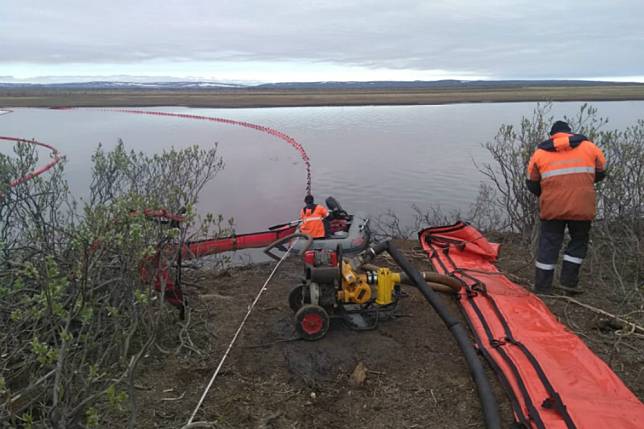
{"points": [[371, 158]]}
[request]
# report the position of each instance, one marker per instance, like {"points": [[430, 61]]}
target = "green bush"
{"points": [[76, 316]]}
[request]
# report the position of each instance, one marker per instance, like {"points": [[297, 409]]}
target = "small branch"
{"points": [[633, 326], [39, 381], [178, 398]]}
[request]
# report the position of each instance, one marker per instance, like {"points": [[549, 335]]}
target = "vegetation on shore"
{"points": [[503, 205], [77, 317]]}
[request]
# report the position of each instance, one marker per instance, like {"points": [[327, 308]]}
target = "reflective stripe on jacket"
{"points": [[565, 166], [312, 220]]}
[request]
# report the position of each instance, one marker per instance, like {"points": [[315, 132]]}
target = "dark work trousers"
{"points": [[550, 240]]}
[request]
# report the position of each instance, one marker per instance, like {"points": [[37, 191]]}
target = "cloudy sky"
{"points": [[308, 40]]}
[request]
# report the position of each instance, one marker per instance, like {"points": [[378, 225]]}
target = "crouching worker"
{"points": [[312, 217], [562, 173]]}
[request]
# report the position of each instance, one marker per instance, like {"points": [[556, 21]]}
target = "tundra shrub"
{"points": [[76, 316]]}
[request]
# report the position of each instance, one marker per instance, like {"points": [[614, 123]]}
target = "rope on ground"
{"points": [[241, 326], [633, 326], [195, 425]]}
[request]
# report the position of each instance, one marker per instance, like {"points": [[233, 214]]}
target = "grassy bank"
{"points": [[298, 97]]}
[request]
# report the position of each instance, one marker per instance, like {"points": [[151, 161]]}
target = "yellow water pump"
{"points": [[361, 294]]}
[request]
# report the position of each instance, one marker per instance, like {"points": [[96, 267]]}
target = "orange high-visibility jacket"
{"points": [[312, 221], [567, 166]]}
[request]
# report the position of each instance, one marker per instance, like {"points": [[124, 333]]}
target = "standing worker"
{"points": [[562, 172], [312, 217]]}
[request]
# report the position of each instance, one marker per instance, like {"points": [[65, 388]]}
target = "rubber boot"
{"points": [[543, 281], [570, 277]]}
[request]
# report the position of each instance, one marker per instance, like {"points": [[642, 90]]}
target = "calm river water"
{"points": [[370, 158]]}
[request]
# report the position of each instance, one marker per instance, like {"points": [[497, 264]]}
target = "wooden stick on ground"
{"points": [[634, 326]]}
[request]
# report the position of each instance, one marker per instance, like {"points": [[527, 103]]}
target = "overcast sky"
{"points": [[305, 40]]}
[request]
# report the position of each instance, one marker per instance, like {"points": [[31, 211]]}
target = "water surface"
{"points": [[371, 158]]}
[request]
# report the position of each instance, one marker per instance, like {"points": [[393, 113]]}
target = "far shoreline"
{"points": [[256, 98]]}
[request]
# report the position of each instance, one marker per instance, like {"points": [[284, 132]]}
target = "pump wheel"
{"points": [[311, 322], [298, 296]]}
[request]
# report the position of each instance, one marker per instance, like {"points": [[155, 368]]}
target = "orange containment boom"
{"points": [[171, 287], [255, 240], [56, 157], [552, 378]]}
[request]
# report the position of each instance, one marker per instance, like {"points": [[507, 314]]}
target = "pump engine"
{"points": [[338, 288]]}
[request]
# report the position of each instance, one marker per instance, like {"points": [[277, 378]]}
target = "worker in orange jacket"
{"points": [[562, 172], [312, 217]]}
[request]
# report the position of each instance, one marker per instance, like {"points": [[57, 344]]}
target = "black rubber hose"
{"points": [[488, 400]]}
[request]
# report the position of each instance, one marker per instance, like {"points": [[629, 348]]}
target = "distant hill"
{"points": [[438, 84], [125, 85], [332, 85]]}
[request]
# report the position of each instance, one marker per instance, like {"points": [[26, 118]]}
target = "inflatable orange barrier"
{"points": [[255, 240], [171, 287], [552, 378]]}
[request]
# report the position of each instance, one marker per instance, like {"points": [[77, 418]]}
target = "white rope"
{"points": [[230, 346]]}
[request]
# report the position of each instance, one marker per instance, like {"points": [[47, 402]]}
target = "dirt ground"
{"points": [[415, 374]]}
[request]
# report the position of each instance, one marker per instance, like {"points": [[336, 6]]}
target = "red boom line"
{"points": [[280, 135], [57, 156], [283, 136]]}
